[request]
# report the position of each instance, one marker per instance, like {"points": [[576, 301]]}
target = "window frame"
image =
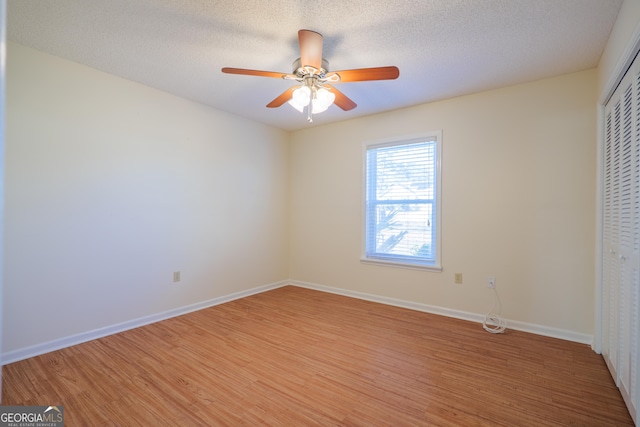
{"points": [[403, 262]]}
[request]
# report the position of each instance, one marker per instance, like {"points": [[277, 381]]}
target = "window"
{"points": [[402, 202]]}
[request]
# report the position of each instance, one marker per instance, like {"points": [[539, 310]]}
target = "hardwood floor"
{"points": [[297, 357]]}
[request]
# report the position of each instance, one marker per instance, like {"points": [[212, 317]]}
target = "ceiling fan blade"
{"points": [[260, 73], [342, 100], [282, 98], [310, 48], [366, 74]]}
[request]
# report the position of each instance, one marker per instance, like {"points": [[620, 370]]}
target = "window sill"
{"points": [[399, 264]]}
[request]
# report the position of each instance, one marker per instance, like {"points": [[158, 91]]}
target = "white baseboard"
{"points": [[36, 350], [458, 314]]}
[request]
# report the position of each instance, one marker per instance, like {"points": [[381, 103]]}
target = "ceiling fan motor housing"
{"points": [[302, 71]]}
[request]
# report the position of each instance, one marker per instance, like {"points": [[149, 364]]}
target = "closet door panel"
{"points": [[626, 264], [611, 304], [621, 238], [607, 248], [634, 361]]}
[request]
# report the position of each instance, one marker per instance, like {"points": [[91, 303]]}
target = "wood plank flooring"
{"points": [[298, 357]]}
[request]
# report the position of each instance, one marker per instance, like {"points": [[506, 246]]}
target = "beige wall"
{"points": [[518, 203], [111, 186]]}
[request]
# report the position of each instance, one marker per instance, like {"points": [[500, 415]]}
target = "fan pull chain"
{"points": [[309, 118]]}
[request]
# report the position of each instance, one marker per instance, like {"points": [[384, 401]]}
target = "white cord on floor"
{"points": [[493, 323]]}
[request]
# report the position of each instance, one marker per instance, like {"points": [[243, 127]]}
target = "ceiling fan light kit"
{"points": [[311, 93], [314, 90]]}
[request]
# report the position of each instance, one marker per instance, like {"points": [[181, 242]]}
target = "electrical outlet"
{"points": [[491, 282], [176, 276], [458, 278]]}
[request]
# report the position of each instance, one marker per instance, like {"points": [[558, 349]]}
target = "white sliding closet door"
{"points": [[621, 238]]}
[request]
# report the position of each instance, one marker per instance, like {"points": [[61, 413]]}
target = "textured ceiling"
{"points": [[444, 48]]}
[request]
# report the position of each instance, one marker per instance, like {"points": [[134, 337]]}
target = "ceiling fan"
{"points": [[315, 90]]}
